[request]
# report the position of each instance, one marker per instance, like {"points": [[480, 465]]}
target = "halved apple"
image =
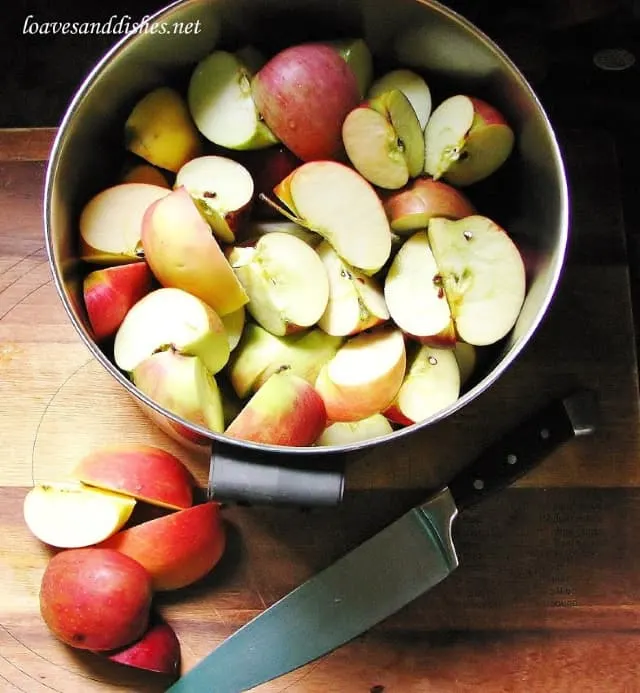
{"points": [[182, 253], [431, 383], [71, 515], [415, 296], [411, 208], [286, 410], [111, 222], [144, 472], [346, 432], [356, 302], [384, 140], [285, 280], [171, 319], [466, 140], [364, 376], [221, 104], [183, 385], [260, 354], [483, 276], [339, 204], [412, 85], [222, 190]]}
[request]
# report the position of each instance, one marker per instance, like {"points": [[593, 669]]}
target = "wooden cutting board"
{"points": [[547, 597]]}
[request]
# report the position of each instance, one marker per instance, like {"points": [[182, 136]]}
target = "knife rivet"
{"points": [[511, 458], [478, 484], [544, 433]]}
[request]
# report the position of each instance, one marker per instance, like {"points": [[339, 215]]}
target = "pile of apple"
{"points": [[97, 592], [292, 261]]}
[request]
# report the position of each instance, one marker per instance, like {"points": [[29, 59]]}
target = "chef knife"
{"points": [[360, 590]]}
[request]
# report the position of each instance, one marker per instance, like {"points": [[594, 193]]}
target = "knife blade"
{"points": [[358, 591]]}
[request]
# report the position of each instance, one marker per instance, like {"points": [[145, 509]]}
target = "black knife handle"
{"points": [[523, 447]]}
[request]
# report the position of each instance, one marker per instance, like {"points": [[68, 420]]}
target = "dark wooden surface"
{"points": [[547, 597]]}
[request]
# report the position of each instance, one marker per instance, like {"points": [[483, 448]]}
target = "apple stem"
{"points": [[282, 210]]}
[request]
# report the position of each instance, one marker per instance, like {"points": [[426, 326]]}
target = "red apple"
{"points": [[304, 94], [109, 293]]}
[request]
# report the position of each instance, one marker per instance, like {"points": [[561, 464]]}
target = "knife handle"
{"points": [[522, 448]]}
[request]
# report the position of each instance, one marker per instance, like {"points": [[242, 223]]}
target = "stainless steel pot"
{"points": [[529, 196]]}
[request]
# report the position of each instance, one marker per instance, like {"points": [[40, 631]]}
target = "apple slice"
{"points": [[411, 208], [177, 549], [111, 222], [412, 85], [182, 253], [285, 280], [222, 190], [347, 432], [431, 384], [261, 354], [483, 276], [466, 140], [339, 204], [70, 515], [384, 140], [467, 358], [143, 472], [158, 650], [356, 301], [171, 319], [234, 326], [414, 294], [221, 104], [356, 53], [160, 130], [109, 294], [304, 94], [286, 410], [182, 385], [364, 376]]}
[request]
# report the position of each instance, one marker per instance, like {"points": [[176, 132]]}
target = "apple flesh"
{"points": [[160, 130], [109, 294], [222, 190], [261, 354], [158, 650], [285, 280], [234, 326], [354, 222], [466, 140], [384, 141], [347, 432], [411, 208], [182, 253], [143, 472], [356, 302], [171, 319], [70, 515], [431, 383], [111, 222], [221, 104], [364, 376], [286, 410], [183, 386], [95, 599], [412, 85], [177, 549], [415, 296], [483, 276], [304, 94]]}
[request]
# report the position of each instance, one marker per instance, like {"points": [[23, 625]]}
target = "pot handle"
{"points": [[254, 478]]}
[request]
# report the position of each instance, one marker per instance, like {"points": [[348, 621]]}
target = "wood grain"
{"points": [[547, 597]]}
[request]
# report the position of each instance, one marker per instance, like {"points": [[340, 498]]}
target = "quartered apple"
{"points": [[412, 85]]}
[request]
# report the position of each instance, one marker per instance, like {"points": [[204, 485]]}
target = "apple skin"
{"points": [[286, 410], [95, 599], [158, 650], [144, 472], [109, 293], [411, 208], [304, 94], [182, 253], [177, 549], [145, 173]]}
